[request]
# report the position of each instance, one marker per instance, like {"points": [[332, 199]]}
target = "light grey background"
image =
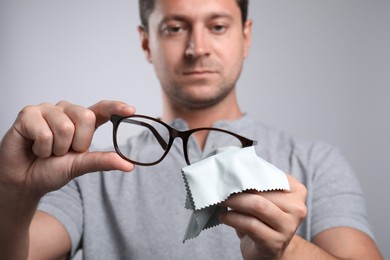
{"points": [[318, 69]]}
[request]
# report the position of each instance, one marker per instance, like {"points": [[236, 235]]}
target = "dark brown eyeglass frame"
{"points": [[173, 133]]}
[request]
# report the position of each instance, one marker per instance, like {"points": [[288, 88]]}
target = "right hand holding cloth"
{"points": [[229, 171]]}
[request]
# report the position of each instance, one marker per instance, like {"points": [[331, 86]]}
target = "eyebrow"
{"points": [[184, 18]]}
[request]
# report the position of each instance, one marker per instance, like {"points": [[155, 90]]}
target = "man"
{"points": [[197, 48]]}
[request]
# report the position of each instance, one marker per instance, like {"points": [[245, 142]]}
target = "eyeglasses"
{"points": [[145, 140]]}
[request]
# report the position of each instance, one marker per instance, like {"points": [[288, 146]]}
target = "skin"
{"points": [[187, 47], [197, 48], [34, 161]]}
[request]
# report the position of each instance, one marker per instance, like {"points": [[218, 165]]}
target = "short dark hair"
{"points": [[146, 7]]}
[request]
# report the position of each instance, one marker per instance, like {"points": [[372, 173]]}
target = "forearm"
{"points": [[343, 243], [16, 213], [300, 248]]}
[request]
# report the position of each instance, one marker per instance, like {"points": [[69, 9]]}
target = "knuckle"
{"points": [[101, 103], [66, 129], [27, 111], [301, 211], [303, 189], [252, 227], [45, 104], [63, 103], [259, 204], [44, 137], [45, 107], [88, 117]]}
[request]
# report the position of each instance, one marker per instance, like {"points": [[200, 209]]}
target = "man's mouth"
{"points": [[198, 72]]}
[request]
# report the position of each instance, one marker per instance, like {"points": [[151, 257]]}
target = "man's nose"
{"points": [[197, 44]]}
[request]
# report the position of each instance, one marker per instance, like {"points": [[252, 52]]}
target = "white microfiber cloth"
{"points": [[227, 171]]}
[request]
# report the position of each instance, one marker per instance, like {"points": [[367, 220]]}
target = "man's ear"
{"points": [[144, 40], [247, 37]]}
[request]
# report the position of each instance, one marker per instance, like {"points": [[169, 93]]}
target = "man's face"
{"points": [[197, 48]]}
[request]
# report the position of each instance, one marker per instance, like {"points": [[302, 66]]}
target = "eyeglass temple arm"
{"points": [[161, 140]]}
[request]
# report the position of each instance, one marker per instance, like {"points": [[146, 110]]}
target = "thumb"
{"points": [[99, 161]]}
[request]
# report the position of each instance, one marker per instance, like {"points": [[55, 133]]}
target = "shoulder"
{"points": [[273, 142], [296, 155]]}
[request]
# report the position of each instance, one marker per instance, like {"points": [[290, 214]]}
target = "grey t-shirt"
{"points": [[141, 215]]}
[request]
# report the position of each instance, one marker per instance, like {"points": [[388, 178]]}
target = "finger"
{"points": [[61, 126], [282, 199], [292, 201], [84, 125], [248, 225], [99, 161], [256, 234], [43, 140], [31, 125], [105, 109], [259, 207]]}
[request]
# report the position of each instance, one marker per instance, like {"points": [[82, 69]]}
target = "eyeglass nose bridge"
{"points": [[184, 136]]}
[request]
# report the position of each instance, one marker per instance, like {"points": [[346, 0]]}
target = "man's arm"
{"points": [[48, 238], [46, 147], [334, 243], [27, 234], [266, 224], [347, 243], [16, 213]]}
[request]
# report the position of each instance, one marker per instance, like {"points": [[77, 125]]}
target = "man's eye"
{"points": [[219, 28], [173, 30]]}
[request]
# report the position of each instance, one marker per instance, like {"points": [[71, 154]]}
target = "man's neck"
{"points": [[228, 109]]}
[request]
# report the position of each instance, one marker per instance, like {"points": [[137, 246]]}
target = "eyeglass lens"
{"points": [[219, 140], [142, 140]]}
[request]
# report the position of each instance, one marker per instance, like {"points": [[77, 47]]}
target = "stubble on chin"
{"points": [[195, 99], [199, 93]]}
